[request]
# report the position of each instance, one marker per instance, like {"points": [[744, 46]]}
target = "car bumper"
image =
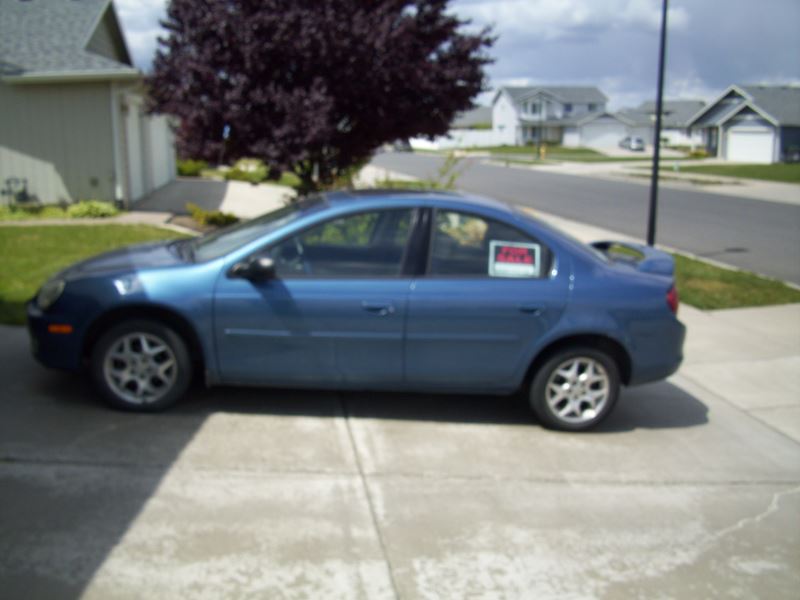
{"points": [[55, 339], [660, 355]]}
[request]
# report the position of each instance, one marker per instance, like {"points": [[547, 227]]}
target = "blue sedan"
{"points": [[381, 290]]}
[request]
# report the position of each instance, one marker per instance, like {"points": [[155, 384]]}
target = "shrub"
{"points": [[205, 217], [699, 153], [88, 209], [254, 177], [248, 169], [191, 168], [33, 208]]}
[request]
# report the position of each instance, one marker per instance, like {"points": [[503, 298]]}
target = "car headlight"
{"points": [[50, 292]]}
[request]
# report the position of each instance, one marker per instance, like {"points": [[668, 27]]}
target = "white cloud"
{"points": [[139, 20], [556, 19]]}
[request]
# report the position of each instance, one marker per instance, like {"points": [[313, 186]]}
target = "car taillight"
{"points": [[672, 299]]}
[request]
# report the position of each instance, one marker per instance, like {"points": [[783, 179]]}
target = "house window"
{"points": [[568, 107], [534, 109], [592, 107]]}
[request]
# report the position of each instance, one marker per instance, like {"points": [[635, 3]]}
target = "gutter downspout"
{"points": [[122, 186]]}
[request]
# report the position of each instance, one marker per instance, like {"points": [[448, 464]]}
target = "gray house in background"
{"points": [[72, 123], [752, 124], [675, 117]]}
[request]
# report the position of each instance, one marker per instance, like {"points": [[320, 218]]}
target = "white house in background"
{"points": [[675, 117], [566, 115], [72, 123], [752, 123]]}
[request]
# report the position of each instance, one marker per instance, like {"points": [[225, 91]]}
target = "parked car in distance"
{"points": [[635, 144], [384, 290]]}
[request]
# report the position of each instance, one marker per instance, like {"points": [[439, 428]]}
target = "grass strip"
{"points": [[709, 287], [782, 172], [32, 254]]}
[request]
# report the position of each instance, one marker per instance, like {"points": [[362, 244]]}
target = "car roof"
{"points": [[416, 196]]}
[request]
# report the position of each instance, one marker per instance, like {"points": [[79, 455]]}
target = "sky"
{"points": [[612, 44]]}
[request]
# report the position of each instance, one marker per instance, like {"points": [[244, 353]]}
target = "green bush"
{"points": [[254, 177], [699, 153], [252, 170], [205, 217], [191, 168], [34, 208], [90, 209]]}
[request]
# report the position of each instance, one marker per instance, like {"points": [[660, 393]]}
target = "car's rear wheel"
{"points": [[575, 389], [141, 365]]}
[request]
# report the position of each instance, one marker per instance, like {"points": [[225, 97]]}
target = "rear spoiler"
{"points": [[653, 261]]}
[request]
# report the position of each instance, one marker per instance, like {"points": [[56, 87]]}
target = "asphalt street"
{"points": [[755, 235]]}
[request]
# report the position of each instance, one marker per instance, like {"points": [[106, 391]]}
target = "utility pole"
{"points": [[651, 222]]}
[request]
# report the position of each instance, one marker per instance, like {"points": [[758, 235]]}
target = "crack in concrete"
{"points": [[773, 507]]}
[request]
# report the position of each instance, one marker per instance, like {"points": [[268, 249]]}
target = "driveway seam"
{"points": [[372, 512]]}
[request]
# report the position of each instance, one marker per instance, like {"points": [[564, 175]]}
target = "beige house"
{"points": [[72, 119]]}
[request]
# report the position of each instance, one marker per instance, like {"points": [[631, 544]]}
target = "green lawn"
{"points": [[710, 287], [786, 173], [32, 254]]}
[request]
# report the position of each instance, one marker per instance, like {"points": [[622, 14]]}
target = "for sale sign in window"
{"points": [[514, 259]]}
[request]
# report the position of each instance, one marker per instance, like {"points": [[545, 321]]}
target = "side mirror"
{"points": [[255, 269]]}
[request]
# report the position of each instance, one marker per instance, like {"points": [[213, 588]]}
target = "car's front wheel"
{"points": [[141, 365], [575, 389]]}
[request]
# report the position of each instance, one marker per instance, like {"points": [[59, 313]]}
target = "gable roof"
{"points": [[675, 113], [476, 116], [782, 102], [565, 93], [779, 104], [51, 39]]}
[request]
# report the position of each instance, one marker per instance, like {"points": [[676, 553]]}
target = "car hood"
{"points": [[126, 260]]}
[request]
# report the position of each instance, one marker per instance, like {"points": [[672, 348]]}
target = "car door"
{"points": [[487, 296], [333, 313]]}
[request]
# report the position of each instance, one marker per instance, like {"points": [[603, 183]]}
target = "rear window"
{"points": [[469, 245]]}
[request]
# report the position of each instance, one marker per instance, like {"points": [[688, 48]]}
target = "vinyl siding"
{"points": [[59, 138]]}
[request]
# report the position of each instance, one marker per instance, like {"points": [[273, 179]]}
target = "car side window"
{"points": [[468, 245], [370, 244]]}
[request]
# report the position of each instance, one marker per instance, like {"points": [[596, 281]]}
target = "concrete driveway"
{"points": [[245, 493], [243, 199]]}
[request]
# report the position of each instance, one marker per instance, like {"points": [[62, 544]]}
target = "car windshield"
{"points": [[219, 243]]}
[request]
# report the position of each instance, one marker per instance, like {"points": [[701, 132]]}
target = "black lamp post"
{"points": [[651, 222]]}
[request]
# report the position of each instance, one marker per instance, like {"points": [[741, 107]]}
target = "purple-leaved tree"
{"points": [[312, 86]]}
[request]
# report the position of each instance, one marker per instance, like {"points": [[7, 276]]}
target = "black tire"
{"points": [[601, 381], [141, 365]]}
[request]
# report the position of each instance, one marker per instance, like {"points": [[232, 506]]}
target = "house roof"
{"points": [[675, 113], [782, 102], [51, 39], [779, 104], [575, 121], [469, 118], [568, 93]]}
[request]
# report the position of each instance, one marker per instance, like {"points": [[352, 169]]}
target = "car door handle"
{"points": [[531, 309], [379, 308]]}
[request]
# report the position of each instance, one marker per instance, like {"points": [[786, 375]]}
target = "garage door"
{"points": [[750, 145], [602, 135]]}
